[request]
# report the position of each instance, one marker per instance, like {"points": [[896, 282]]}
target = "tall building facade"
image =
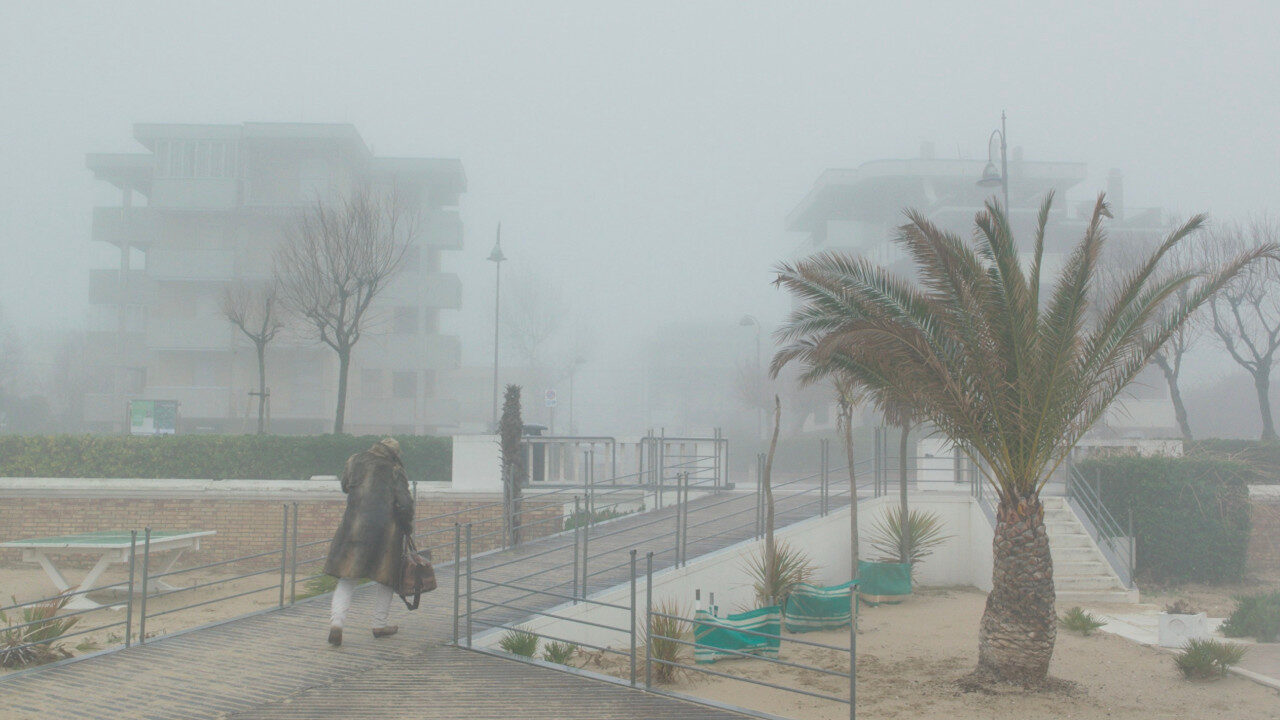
{"points": [[202, 210], [860, 210]]}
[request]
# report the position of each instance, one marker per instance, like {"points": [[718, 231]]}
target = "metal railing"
{"points": [[629, 624], [1116, 542]]}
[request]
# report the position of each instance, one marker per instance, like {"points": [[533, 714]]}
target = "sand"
{"points": [[911, 655]]}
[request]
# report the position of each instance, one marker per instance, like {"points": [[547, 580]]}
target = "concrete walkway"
{"points": [[1140, 623], [277, 664]]}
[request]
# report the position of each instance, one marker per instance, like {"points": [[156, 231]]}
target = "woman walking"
{"points": [[370, 541]]}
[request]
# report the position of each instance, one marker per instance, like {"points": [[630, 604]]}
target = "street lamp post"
{"points": [[496, 257], [989, 176], [748, 320]]}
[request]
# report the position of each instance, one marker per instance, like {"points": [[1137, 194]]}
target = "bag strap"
{"points": [[414, 604]]}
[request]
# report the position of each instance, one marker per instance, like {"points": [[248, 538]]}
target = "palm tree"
{"points": [[1014, 377]]}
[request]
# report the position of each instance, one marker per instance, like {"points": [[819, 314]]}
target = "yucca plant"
{"points": [[558, 652], [773, 585], [1080, 620], [1208, 659], [1012, 369], [668, 625], [519, 642], [33, 639], [923, 535]]}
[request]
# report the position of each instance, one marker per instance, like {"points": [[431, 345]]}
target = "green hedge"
{"points": [[219, 457], [1263, 458], [1190, 515]]}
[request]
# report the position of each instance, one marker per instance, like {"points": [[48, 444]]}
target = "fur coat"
{"points": [[370, 541]]}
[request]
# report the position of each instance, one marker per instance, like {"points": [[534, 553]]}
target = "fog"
{"points": [[640, 157]]}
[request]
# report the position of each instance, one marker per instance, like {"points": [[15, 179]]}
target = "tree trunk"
{"points": [[1175, 394], [904, 551], [262, 386], [846, 413], [770, 547], [344, 364], [1262, 384], [1019, 626]]}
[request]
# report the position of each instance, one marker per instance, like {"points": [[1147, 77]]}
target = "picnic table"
{"points": [[110, 546]]}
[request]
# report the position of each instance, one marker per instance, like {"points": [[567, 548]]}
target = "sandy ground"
{"points": [[103, 626], [911, 655]]}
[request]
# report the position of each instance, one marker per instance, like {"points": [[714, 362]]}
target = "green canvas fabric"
{"points": [[813, 607], [722, 638], [880, 582]]}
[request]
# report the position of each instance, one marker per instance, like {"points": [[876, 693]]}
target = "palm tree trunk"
{"points": [[770, 548], [846, 420], [904, 552], [1019, 626]]}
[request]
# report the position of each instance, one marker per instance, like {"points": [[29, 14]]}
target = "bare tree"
{"points": [[533, 314], [1124, 258], [255, 310], [1246, 314], [337, 258]]}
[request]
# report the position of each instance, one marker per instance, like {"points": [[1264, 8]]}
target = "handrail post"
{"points": [[633, 617], [822, 494], [591, 486], [648, 620], [146, 567], [284, 550], [293, 559], [577, 530], [457, 576], [128, 618], [853, 653], [468, 585], [586, 537], [683, 535], [1133, 549]]}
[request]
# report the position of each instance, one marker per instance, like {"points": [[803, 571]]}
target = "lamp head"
{"points": [[747, 320], [990, 176], [496, 255]]}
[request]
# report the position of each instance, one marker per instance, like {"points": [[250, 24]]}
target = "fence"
{"points": [[1115, 542], [278, 573]]}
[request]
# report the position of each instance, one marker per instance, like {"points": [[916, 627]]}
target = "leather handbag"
{"points": [[418, 576]]}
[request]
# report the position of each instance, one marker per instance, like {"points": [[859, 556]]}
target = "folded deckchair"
{"points": [[723, 638], [880, 582], [812, 607]]}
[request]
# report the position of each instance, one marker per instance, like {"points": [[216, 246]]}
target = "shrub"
{"points": [[1208, 659], [1081, 621], [519, 642], [1180, 607], [1256, 616], [1190, 515], [924, 534], [559, 652], [669, 623], [1262, 458], [38, 630], [791, 567], [230, 457]]}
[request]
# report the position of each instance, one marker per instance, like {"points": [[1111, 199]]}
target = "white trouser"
{"points": [[342, 602]]}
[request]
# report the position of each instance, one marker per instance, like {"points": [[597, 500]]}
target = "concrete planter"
{"points": [[1176, 630]]}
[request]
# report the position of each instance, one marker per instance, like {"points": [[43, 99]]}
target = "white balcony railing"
{"points": [[170, 263]]}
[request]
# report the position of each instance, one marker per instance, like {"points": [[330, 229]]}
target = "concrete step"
{"points": [[1079, 540], [1081, 568], [1069, 598], [1087, 582], [1068, 556]]}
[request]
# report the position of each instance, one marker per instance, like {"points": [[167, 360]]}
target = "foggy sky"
{"points": [[641, 155]]}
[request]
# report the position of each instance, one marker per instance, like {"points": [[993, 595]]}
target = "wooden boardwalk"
{"points": [[277, 664]]}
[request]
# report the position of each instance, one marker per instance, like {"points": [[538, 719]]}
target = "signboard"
{"points": [[550, 397], [153, 417]]}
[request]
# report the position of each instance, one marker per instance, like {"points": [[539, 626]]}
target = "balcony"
{"points": [[180, 264], [443, 230], [199, 333], [104, 288], [111, 226], [195, 193]]}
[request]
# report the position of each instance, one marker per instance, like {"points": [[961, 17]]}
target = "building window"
{"points": [[162, 158], [135, 380], [202, 159], [405, 320], [429, 383], [411, 260], [404, 384], [371, 383], [432, 324]]}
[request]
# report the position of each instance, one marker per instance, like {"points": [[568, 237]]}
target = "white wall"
{"points": [[476, 464], [965, 559]]}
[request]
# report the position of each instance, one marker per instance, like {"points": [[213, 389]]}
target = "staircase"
{"points": [[1080, 572]]}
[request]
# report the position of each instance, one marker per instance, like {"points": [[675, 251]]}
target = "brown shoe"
{"points": [[335, 636], [387, 631]]}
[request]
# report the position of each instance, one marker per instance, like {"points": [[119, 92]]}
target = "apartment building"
{"points": [[859, 210], [203, 208]]}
